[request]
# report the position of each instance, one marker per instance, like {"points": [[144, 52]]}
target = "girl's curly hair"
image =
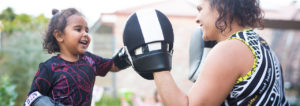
{"points": [[58, 22]]}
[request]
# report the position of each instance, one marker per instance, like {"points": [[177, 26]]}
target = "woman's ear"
{"points": [[58, 36]]}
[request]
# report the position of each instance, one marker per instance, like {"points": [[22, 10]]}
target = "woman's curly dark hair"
{"points": [[58, 22], [247, 13]]}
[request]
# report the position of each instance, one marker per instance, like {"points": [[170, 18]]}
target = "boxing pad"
{"points": [[148, 38], [198, 51]]}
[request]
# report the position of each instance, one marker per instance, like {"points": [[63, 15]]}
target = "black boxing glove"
{"points": [[148, 36], [121, 59], [37, 99], [198, 52]]}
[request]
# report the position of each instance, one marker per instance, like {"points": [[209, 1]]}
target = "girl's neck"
{"points": [[69, 56]]}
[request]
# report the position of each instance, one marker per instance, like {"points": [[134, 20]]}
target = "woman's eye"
{"points": [[199, 9]]}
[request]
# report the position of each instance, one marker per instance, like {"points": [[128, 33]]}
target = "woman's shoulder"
{"points": [[232, 53], [227, 50], [232, 46]]}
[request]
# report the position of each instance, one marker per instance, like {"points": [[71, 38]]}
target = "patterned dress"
{"points": [[70, 83], [263, 84]]}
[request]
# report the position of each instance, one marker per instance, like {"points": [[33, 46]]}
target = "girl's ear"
{"points": [[58, 36]]}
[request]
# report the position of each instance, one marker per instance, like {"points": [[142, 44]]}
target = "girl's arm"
{"points": [[42, 80], [102, 65], [41, 86], [114, 68]]}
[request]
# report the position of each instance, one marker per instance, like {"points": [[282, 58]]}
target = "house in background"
{"points": [[282, 32]]}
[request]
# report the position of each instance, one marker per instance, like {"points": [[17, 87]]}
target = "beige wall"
{"points": [[103, 47]]}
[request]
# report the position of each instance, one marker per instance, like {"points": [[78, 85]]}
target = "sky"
{"points": [[92, 9]]}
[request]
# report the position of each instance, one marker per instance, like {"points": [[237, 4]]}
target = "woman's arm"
{"points": [[224, 64], [168, 90]]}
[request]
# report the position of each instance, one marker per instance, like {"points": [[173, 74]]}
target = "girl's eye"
{"points": [[87, 30], [77, 30]]}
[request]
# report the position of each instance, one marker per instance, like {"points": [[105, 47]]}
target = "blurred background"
{"points": [[23, 23]]}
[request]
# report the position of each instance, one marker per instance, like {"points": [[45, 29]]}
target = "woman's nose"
{"points": [[198, 19]]}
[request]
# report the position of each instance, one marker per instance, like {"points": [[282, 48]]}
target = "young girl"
{"points": [[69, 77]]}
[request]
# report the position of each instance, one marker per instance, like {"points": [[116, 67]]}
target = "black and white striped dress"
{"points": [[263, 84]]}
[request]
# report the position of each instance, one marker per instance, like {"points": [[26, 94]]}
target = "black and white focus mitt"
{"points": [[148, 37]]}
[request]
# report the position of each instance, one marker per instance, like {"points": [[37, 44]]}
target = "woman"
{"points": [[240, 70]]}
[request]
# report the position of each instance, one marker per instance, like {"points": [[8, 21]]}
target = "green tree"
{"points": [[8, 93], [7, 14], [20, 60], [22, 53], [21, 22]]}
